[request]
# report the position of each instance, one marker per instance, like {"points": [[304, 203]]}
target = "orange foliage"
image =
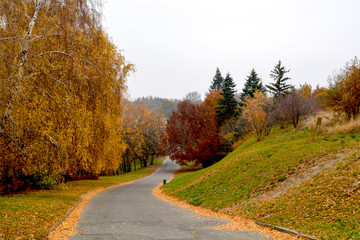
{"points": [[212, 98], [343, 94]]}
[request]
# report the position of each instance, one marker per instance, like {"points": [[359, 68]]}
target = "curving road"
{"points": [[133, 212]]}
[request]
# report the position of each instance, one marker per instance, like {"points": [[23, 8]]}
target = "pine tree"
{"points": [[217, 81], [228, 105], [279, 87], [251, 85]]}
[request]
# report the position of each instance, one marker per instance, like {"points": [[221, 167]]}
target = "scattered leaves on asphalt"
{"points": [[235, 223]]}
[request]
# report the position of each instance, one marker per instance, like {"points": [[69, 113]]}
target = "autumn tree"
{"points": [[152, 127], [343, 94], [131, 136], [142, 130], [279, 86], [252, 83], [217, 82], [228, 106], [258, 112], [319, 96], [212, 100], [62, 84], [192, 134]]}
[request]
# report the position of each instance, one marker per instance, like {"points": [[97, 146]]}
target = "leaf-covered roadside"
{"points": [[32, 215], [327, 206]]}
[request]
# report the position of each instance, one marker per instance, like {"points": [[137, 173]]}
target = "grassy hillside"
{"points": [[253, 181]]}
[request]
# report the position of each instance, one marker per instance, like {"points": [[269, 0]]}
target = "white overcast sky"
{"points": [[176, 45]]}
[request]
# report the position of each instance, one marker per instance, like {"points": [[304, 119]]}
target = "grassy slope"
{"points": [[326, 206], [33, 214]]}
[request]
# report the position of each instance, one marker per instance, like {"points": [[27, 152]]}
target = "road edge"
{"points": [[235, 223], [66, 227]]}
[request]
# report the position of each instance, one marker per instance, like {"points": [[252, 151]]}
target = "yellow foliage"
{"points": [[253, 112], [305, 90], [141, 130], [61, 90]]}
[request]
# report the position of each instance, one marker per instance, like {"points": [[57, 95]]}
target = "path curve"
{"points": [[133, 212]]}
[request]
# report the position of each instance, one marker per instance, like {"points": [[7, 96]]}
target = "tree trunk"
{"points": [[23, 59]]}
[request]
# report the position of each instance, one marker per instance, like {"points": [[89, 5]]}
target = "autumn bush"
{"points": [[343, 94]]}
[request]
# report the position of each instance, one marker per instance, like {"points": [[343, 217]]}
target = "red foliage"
{"points": [[193, 134]]}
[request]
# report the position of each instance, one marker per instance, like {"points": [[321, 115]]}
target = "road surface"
{"points": [[133, 212]]}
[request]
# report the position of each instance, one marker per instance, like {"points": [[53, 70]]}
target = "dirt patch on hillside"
{"points": [[297, 180]]}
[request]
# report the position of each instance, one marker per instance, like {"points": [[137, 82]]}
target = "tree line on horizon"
{"points": [[204, 133], [162, 105]]}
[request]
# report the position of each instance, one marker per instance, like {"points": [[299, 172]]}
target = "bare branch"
{"points": [[56, 52]]}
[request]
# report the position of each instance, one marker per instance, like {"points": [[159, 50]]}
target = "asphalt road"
{"points": [[133, 212]]}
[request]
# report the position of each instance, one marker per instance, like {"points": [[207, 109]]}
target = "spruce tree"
{"points": [[252, 83], [228, 105], [217, 81], [279, 87]]}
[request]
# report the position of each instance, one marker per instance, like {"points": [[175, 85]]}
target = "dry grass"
{"points": [[333, 123], [68, 226], [235, 223], [352, 126]]}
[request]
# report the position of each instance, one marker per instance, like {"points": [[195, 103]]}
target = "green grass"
{"points": [[33, 214], [327, 206], [258, 167]]}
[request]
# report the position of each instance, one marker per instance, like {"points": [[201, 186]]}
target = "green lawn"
{"points": [[33, 214], [328, 206], [258, 167]]}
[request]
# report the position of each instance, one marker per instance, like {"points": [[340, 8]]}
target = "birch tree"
{"points": [[62, 84]]}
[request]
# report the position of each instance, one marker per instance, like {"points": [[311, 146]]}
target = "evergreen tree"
{"points": [[217, 81], [279, 87], [251, 85], [228, 105]]}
